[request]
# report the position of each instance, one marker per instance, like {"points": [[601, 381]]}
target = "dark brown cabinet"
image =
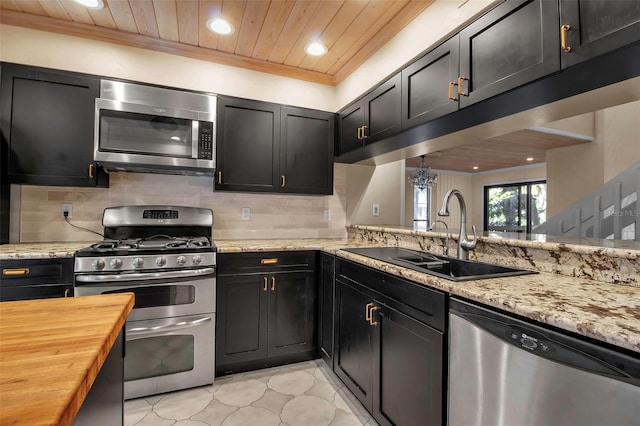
{"points": [[513, 44], [430, 85], [24, 279], [264, 147], [326, 298], [374, 117], [389, 346], [266, 310], [590, 28], [247, 142], [48, 125]]}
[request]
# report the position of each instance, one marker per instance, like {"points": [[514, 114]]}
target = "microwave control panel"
{"points": [[205, 145]]}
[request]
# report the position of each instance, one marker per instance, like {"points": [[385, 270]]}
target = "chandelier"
{"points": [[422, 177]]}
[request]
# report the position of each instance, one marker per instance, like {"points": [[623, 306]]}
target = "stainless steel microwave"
{"points": [[152, 129]]}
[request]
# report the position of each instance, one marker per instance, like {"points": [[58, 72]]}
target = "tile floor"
{"points": [[303, 394]]}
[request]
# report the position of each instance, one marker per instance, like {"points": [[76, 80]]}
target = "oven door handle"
{"points": [[136, 331], [189, 273]]}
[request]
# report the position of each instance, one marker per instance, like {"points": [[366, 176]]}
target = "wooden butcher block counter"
{"points": [[51, 351]]}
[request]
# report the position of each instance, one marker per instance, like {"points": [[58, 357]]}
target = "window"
{"points": [[516, 207], [421, 209]]}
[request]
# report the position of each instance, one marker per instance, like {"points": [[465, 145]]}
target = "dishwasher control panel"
{"points": [[529, 341]]}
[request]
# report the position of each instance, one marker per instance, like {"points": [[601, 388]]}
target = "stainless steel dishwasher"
{"points": [[509, 372]]}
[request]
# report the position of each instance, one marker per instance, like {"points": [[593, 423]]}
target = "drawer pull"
{"points": [[451, 97], [367, 314], [20, 271], [271, 261], [371, 320]]}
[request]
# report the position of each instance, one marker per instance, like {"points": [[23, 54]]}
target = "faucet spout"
{"points": [[464, 244]]}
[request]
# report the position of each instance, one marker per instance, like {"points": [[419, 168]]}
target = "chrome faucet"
{"points": [[464, 245], [445, 247]]}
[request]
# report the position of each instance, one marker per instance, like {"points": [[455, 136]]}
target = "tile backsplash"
{"points": [[272, 216]]}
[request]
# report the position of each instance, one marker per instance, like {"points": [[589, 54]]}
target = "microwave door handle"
{"points": [[202, 272], [136, 331], [195, 136]]}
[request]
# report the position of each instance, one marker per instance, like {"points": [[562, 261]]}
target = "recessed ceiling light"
{"points": [[529, 158], [475, 167], [91, 4], [316, 49], [220, 26]]}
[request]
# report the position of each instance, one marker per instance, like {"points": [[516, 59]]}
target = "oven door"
{"points": [[168, 354], [157, 294]]}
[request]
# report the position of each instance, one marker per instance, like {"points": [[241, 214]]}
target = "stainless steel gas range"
{"points": [[165, 256]]}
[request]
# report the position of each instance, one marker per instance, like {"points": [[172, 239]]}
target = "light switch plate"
{"points": [[327, 216], [246, 213], [376, 209]]}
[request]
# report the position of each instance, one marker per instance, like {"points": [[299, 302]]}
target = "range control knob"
{"points": [[137, 262], [115, 263], [196, 260], [98, 264], [181, 260], [161, 261]]}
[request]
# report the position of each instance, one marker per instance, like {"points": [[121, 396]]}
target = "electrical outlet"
{"points": [[246, 213], [327, 216], [376, 209], [66, 207]]}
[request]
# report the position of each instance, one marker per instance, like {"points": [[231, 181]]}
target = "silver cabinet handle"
{"points": [[145, 276], [135, 331]]}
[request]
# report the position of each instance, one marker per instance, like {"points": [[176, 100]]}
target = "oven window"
{"points": [[145, 134], [158, 356], [162, 295]]}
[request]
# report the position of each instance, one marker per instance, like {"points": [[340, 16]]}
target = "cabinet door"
{"points": [[514, 44], [350, 120], [48, 122], [408, 377], [353, 361], [241, 316], [247, 145], [428, 83], [383, 116], [326, 285], [597, 27], [292, 304], [306, 151]]}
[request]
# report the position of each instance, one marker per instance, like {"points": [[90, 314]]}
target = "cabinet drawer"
{"points": [[422, 303], [36, 272], [259, 262]]}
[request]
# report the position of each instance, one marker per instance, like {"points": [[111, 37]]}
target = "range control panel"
{"points": [[160, 214]]}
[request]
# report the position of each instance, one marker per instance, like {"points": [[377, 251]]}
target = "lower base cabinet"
{"points": [[266, 310], [390, 352]]}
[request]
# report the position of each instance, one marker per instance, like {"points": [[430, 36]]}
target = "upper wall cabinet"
{"points": [[592, 27], [514, 44], [374, 117], [429, 85], [264, 147], [47, 123]]}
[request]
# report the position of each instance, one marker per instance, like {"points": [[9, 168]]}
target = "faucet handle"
{"points": [[470, 245]]}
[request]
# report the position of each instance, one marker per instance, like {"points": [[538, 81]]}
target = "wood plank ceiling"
{"points": [[269, 36], [510, 150]]}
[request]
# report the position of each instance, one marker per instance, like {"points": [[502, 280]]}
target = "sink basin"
{"points": [[449, 268]]}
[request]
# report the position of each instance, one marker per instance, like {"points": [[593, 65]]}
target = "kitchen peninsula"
{"points": [[52, 353]]}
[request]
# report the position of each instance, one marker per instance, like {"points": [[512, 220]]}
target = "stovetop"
{"points": [[156, 242]]}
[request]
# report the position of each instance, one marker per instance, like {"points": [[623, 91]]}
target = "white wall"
{"points": [[368, 185], [50, 50]]}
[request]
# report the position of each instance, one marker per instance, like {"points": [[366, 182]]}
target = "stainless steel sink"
{"points": [[441, 266]]}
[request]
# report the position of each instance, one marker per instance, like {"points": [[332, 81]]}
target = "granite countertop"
{"points": [[48, 363], [605, 312], [41, 250]]}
